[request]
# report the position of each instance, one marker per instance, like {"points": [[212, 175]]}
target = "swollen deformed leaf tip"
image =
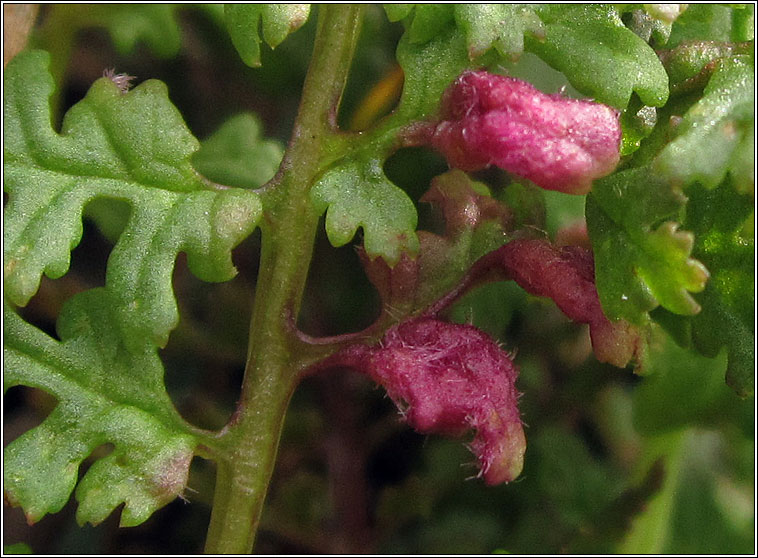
{"points": [[556, 142], [446, 379], [566, 275]]}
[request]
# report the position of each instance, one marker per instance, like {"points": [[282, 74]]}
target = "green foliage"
{"points": [[658, 464], [155, 24], [429, 67], [131, 146], [128, 25], [236, 154], [699, 143], [716, 134], [690, 63], [629, 219], [600, 56], [359, 195], [484, 29], [18, 548], [696, 382], [728, 317], [714, 22], [425, 21], [105, 370], [101, 400], [276, 20]]}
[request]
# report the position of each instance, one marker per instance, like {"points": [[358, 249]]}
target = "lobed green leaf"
{"points": [[104, 371], [108, 393], [590, 44], [132, 147], [428, 68], [716, 133], [728, 316], [599, 55], [358, 194], [276, 21], [641, 258], [498, 26], [442, 40], [484, 26]]}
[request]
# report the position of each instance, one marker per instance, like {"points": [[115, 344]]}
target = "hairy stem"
{"points": [[271, 374]]}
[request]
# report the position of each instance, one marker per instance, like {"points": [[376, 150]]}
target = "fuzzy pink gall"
{"points": [[566, 274], [446, 379], [558, 143]]}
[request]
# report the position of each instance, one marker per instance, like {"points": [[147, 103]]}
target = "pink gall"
{"points": [[558, 143], [446, 379], [566, 274]]}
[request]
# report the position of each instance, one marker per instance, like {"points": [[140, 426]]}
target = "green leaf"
{"points": [[498, 26], [717, 132], [641, 258], [484, 26], [104, 371], [132, 147], [428, 68], [717, 218], [358, 194], [650, 531], [423, 21], [276, 20], [728, 316], [690, 65], [713, 22], [17, 548], [429, 20], [440, 42], [396, 12], [107, 393], [719, 323], [237, 155], [128, 25], [155, 24], [695, 382], [598, 54]]}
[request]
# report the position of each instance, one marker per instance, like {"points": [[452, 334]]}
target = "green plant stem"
{"points": [[288, 232]]}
